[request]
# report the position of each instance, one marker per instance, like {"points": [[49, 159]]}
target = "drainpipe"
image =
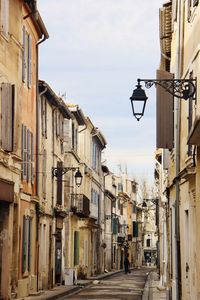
{"points": [[37, 156], [177, 149]]}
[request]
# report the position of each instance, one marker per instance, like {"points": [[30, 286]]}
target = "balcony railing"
{"points": [[80, 205]]}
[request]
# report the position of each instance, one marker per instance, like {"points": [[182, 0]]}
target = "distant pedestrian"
{"points": [[126, 264]]}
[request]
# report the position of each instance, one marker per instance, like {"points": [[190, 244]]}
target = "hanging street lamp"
{"points": [[180, 88]]}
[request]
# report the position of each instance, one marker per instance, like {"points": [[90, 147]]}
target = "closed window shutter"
{"points": [[32, 159], [115, 226], [57, 123], [73, 136], [7, 116], [43, 115], [24, 245], [61, 126], [29, 61], [121, 209], [164, 114], [29, 155], [76, 248], [24, 55], [135, 229], [24, 152], [59, 185], [29, 242], [44, 173]]}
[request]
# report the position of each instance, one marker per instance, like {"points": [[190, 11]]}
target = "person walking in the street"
{"points": [[126, 264]]}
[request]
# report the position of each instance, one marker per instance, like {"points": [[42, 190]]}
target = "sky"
{"points": [[96, 51]]}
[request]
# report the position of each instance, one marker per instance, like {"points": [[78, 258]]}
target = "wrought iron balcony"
{"points": [[80, 205]]}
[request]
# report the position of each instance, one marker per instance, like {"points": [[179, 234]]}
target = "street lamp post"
{"points": [[180, 88]]}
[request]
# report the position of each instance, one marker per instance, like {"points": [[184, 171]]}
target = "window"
{"points": [[7, 116], [59, 185], [44, 116], [4, 17], [95, 197], [190, 118], [119, 204], [44, 173], [135, 229], [96, 157], [115, 225], [26, 244], [27, 58], [76, 248], [120, 187], [74, 137], [148, 243], [27, 155]]}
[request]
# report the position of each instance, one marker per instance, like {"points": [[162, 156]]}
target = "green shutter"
{"points": [[135, 229], [115, 225]]}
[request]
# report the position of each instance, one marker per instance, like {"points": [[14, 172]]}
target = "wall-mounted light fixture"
{"points": [[152, 200], [60, 171], [180, 88]]}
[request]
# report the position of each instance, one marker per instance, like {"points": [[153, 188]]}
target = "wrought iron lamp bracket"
{"points": [[59, 172], [180, 88]]}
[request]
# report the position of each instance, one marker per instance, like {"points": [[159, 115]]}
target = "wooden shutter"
{"points": [[29, 61], [24, 55], [32, 159], [59, 184], [28, 221], [164, 114], [29, 155], [43, 115], [57, 123], [135, 229], [24, 152], [73, 136], [115, 225], [7, 116], [44, 173], [121, 209], [76, 248], [24, 245]]}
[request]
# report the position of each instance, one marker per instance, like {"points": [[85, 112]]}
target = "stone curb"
{"points": [[71, 290]]}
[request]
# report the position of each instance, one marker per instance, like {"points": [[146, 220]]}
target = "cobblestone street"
{"points": [[119, 286]]}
